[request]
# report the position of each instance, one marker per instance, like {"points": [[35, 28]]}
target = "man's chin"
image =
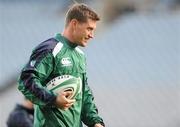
{"points": [[83, 44]]}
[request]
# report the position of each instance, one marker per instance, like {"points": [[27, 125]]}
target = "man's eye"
{"points": [[90, 29]]}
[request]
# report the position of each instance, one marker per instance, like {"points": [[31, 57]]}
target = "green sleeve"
{"points": [[89, 110]]}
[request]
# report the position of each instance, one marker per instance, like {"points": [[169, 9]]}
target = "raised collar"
{"points": [[64, 40]]}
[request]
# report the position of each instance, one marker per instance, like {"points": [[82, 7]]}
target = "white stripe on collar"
{"points": [[57, 49]]}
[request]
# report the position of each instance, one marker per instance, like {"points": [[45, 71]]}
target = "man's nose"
{"points": [[91, 35]]}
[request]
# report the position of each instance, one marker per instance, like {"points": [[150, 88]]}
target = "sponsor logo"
{"points": [[66, 61]]}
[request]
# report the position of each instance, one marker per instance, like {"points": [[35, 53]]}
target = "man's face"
{"points": [[83, 32]]}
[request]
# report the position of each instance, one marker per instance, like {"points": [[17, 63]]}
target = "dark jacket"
{"points": [[20, 117]]}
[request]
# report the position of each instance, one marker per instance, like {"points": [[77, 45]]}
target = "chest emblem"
{"points": [[66, 61]]}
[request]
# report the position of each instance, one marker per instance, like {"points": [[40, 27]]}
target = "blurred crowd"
{"points": [[114, 8]]}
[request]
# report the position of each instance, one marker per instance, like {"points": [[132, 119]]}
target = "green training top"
{"points": [[57, 57]]}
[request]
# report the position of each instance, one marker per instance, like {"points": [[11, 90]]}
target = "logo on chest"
{"points": [[66, 61]]}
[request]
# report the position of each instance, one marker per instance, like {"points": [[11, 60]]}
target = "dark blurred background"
{"points": [[133, 62]]}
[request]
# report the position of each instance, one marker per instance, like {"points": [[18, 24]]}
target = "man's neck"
{"points": [[68, 34]]}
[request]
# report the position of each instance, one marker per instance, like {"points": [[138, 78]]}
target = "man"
{"points": [[60, 56], [22, 115]]}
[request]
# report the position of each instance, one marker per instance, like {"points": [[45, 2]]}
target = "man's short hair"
{"points": [[81, 12]]}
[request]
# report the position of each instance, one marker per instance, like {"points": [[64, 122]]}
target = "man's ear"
{"points": [[74, 23]]}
